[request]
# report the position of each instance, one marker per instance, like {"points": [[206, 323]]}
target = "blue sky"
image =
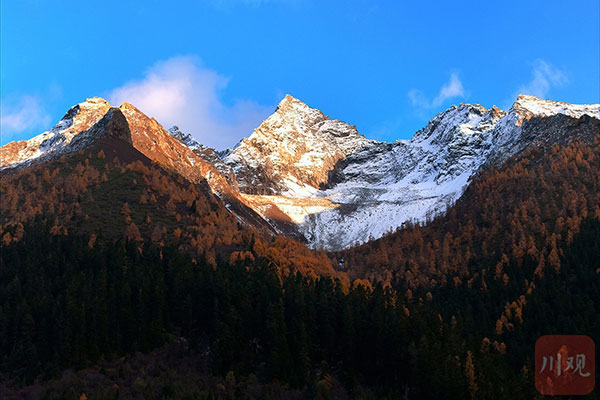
{"points": [[218, 67]]}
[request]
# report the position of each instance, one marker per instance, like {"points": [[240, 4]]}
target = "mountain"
{"points": [[146, 135], [78, 119], [317, 179], [150, 138], [124, 273], [280, 167], [292, 151], [208, 154], [339, 188], [77, 129], [123, 175], [519, 211]]}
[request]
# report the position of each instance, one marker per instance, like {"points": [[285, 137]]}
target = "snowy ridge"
{"points": [[208, 154], [316, 177], [386, 184], [373, 188], [529, 106], [95, 121], [78, 119], [78, 129], [507, 139]]}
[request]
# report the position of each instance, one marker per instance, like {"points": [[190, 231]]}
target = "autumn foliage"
{"points": [[531, 208], [102, 195]]}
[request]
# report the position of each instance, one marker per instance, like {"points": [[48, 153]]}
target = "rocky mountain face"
{"points": [[89, 122], [317, 178], [78, 128], [292, 151], [339, 188], [208, 154], [521, 127]]}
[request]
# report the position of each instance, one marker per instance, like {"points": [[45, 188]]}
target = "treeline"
{"points": [[101, 259], [532, 207], [503, 237]]}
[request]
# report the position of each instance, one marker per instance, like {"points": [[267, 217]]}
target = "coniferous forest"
{"points": [[250, 333]]}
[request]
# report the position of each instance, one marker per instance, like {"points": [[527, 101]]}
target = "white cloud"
{"points": [[544, 77], [452, 89], [418, 99], [180, 91], [22, 114]]}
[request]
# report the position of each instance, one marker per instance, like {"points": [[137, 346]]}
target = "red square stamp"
{"points": [[565, 365]]}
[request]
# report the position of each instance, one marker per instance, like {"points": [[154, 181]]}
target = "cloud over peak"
{"points": [[452, 89], [181, 91], [544, 77]]}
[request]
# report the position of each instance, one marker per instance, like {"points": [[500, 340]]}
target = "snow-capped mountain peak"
{"points": [[342, 192], [293, 112], [188, 139], [292, 150], [208, 154], [81, 126], [529, 106], [458, 121], [319, 177], [508, 133], [79, 118]]}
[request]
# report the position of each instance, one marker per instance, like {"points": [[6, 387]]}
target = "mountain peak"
{"points": [[292, 150], [289, 99], [79, 118], [528, 97], [128, 106], [465, 106], [112, 125], [185, 138], [291, 108], [527, 106], [458, 123], [96, 100]]}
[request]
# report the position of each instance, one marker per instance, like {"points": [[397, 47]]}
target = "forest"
{"points": [[66, 304], [120, 279], [113, 194]]}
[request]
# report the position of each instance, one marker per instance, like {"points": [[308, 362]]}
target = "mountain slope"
{"points": [[76, 130], [339, 193], [206, 153], [146, 135], [307, 176], [449, 306], [102, 186], [501, 259], [435, 309], [524, 207]]}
